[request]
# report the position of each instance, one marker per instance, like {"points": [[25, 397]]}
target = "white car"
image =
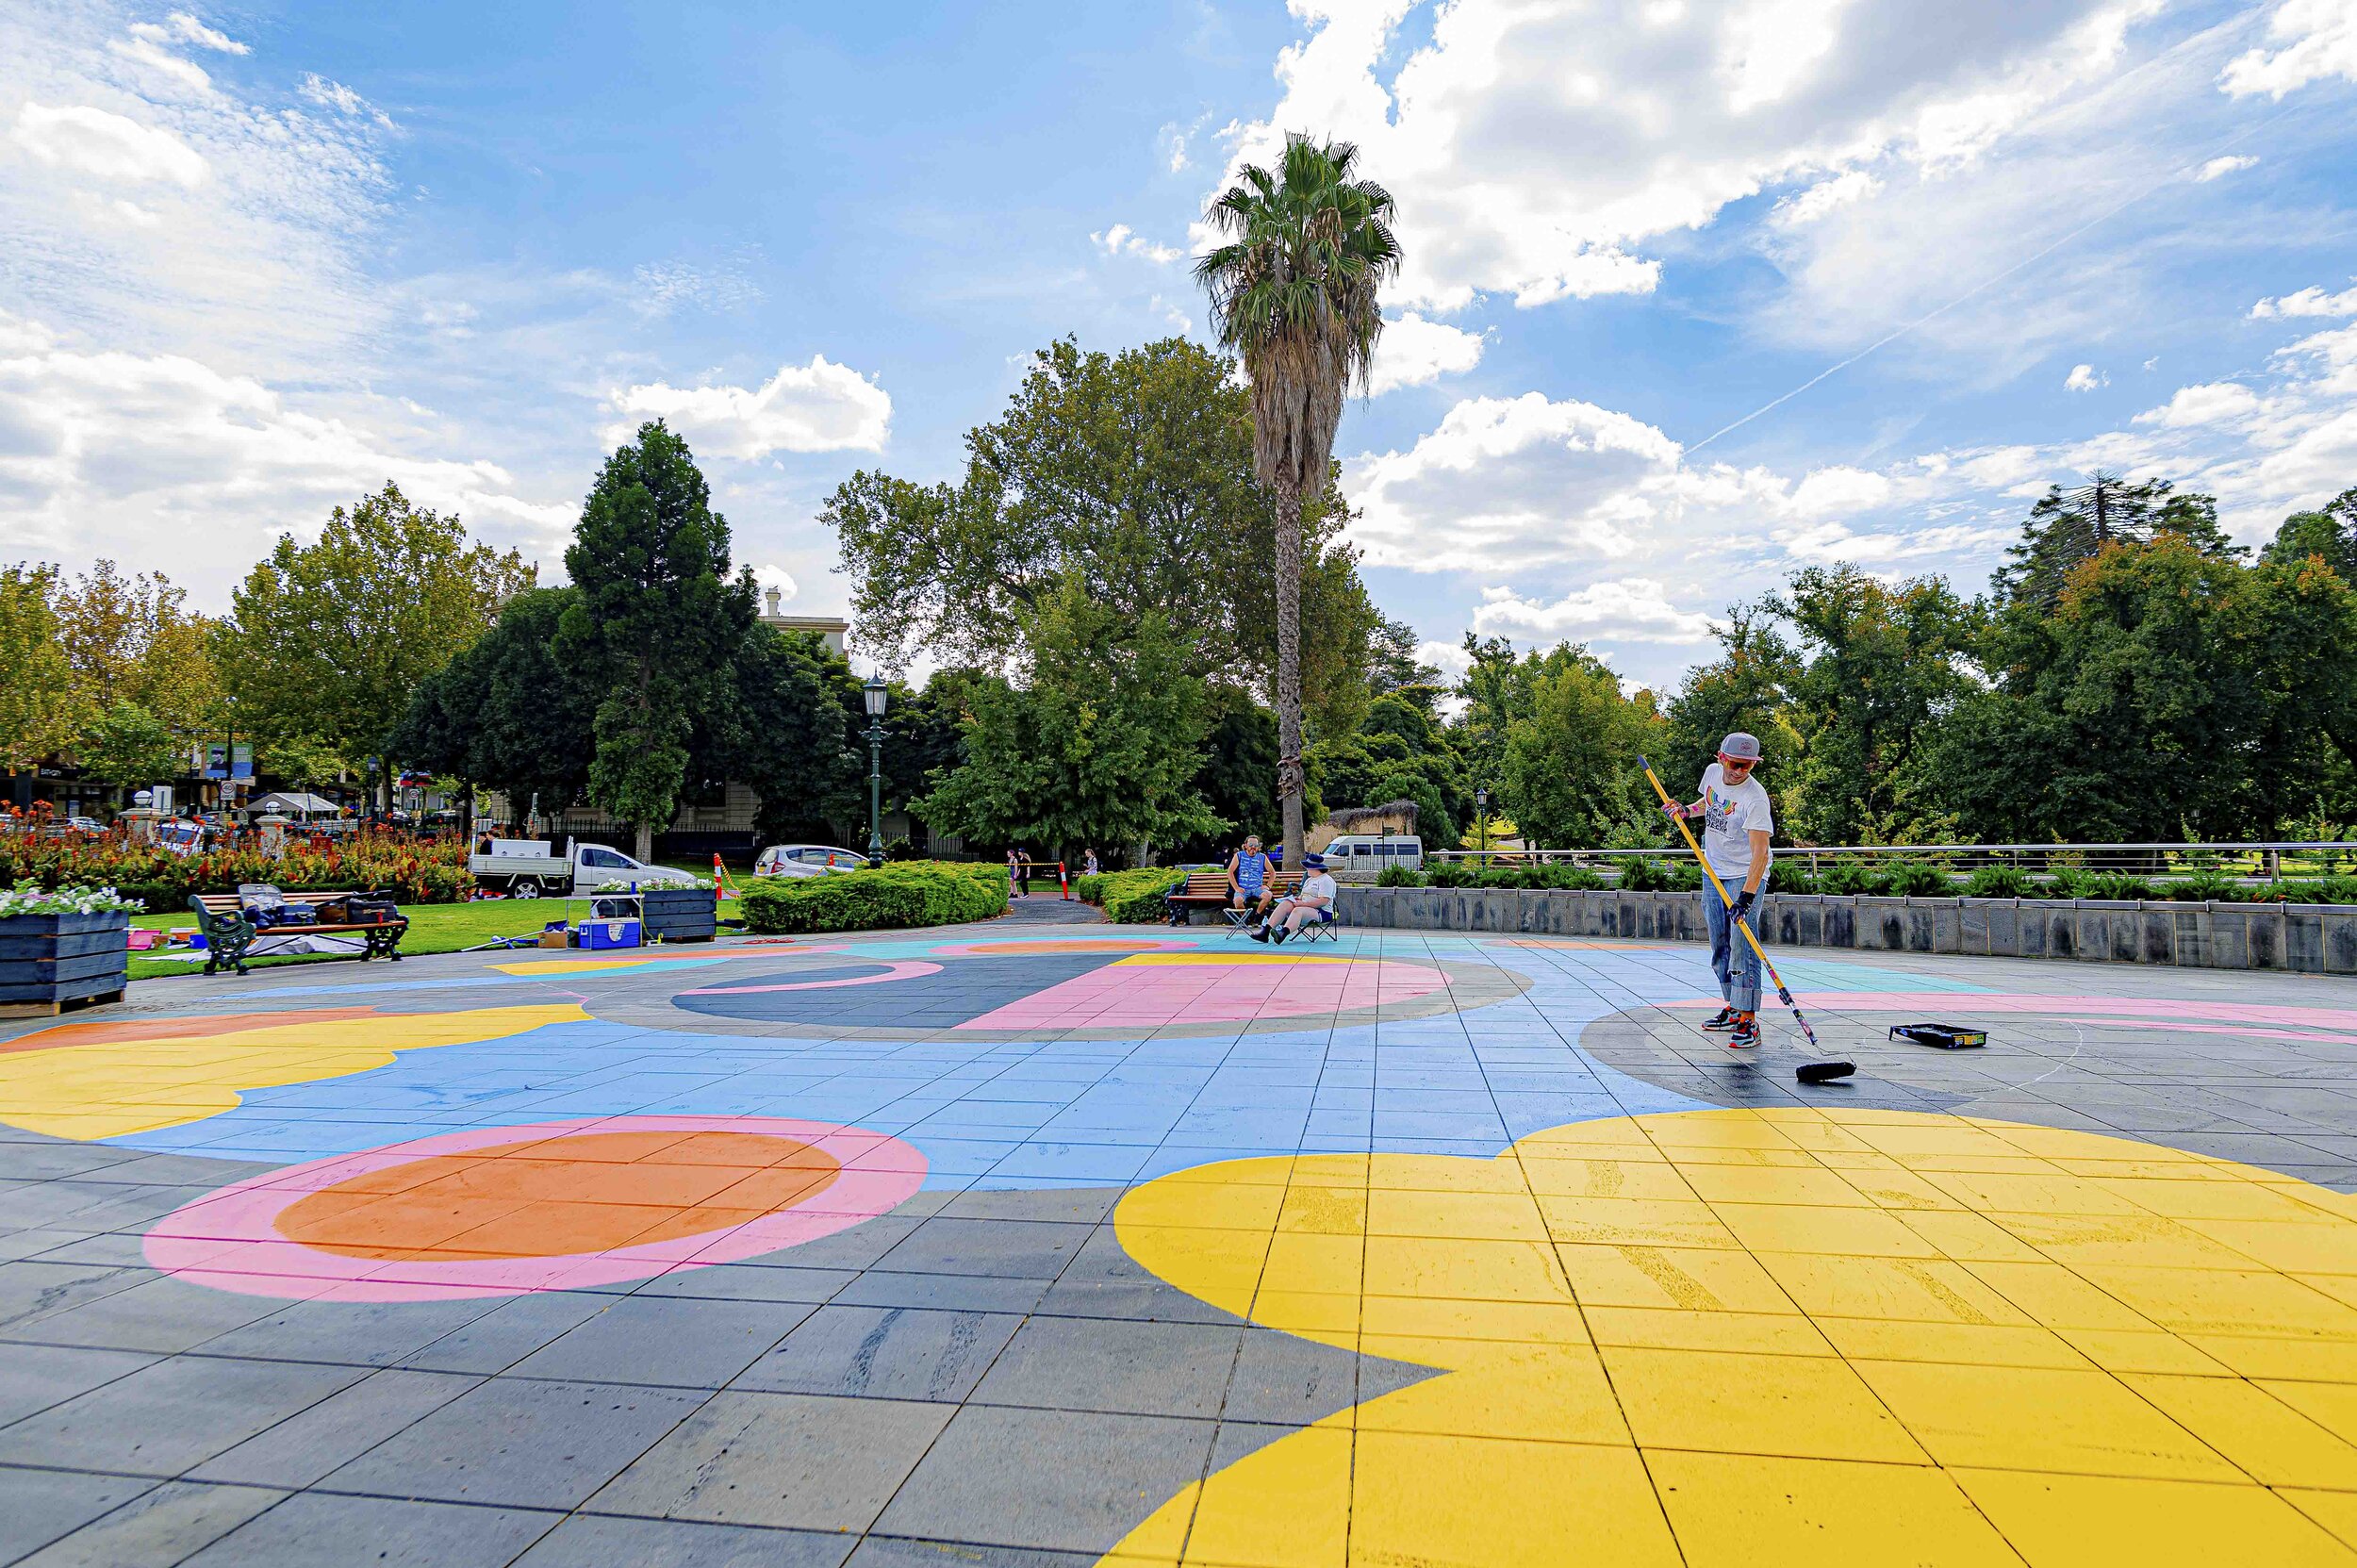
{"points": [[807, 860]]}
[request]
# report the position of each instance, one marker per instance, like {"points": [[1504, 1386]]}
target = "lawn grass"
{"points": [[433, 929]]}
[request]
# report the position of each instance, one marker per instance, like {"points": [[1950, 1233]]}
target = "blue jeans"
{"points": [[1732, 959]]}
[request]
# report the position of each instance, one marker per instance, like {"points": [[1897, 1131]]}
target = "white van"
{"points": [[1367, 852]]}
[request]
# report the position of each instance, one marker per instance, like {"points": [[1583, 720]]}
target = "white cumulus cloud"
{"points": [[88, 141], [1414, 350], [2213, 403], [181, 27], [2083, 379], [1628, 609], [2217, 168], [821, 407], [2308, 302], [2308, 41], [1121, 239], [1537, 148]]}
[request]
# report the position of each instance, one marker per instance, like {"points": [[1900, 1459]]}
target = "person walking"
{"points": [[1737, 821], [1018, 881]]}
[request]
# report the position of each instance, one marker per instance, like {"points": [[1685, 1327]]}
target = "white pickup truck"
{"points": [[531, 868]]}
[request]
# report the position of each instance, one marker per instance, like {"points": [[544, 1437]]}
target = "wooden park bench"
{"points": [[1208, 890], [228, 934]]}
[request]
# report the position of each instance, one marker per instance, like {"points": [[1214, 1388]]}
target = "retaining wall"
{"points": [[2306, 939]]}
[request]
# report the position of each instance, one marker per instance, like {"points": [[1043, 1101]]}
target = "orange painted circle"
{"points": [[557, 1196]]}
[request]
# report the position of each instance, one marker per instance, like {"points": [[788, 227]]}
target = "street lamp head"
{"points": [[1481, 796], [876, 694]]}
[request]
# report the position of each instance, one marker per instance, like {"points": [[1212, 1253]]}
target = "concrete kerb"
{"points": [[2303, 938]]}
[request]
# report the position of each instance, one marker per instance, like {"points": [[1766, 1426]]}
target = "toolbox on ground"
{"points": [[1945, 1036]]}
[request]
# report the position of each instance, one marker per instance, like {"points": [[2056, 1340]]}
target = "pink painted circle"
{"points": [[506, 1210]]}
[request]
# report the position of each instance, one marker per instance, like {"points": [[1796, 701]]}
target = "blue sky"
{"points": [[259, 259]]}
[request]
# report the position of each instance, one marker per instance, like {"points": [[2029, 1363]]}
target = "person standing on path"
{"points": [[1737, 822], [1018, 881]]}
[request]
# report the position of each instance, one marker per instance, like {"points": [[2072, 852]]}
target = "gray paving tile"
{"points": [[301, 1449], [751, 1283], [315, 1530], [507, 1333], [880, 1287], [519, 1441], [792, 1460], [590, 1540], [39, 1506], [1144, 1300], [35, 1376], [157, 1528], [1296, 1381], [1029, 1250], [1066, 1481], [30, 1290], [884, 1353], [363, 1333], [688, 1343], [879, 1551], [165, 1418], [158, 1314], [41, 1243], [1140, 1368]]}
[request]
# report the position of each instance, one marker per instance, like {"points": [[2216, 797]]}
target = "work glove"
{"points": [[1743, 902]]}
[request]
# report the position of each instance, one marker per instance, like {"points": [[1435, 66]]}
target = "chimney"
{"points": [[770, 596]]}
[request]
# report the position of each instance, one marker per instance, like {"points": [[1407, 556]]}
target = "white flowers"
{"points": [[26, 898]]}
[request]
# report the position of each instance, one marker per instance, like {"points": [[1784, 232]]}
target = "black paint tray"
{"points": [[1946, 1036]]}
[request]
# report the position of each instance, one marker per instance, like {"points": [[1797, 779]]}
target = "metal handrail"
{"points": [[2344, 846]]}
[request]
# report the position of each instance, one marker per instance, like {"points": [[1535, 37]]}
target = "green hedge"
{"points": [[902, 893], [1132, 898]]}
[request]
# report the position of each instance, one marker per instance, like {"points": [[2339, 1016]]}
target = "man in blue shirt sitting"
{"points": [[1247, 881]]}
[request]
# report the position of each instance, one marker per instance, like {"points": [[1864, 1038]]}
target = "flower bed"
{"points": [[901, 893], [414, 871]]}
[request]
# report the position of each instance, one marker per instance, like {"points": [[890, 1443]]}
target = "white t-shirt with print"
{"points": [[1730, 813], [1318, 885]]}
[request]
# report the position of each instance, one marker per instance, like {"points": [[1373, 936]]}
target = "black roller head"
{"points": [[1818, 1072]]}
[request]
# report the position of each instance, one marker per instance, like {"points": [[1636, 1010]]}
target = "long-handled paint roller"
{"points": [[1783, 995]]}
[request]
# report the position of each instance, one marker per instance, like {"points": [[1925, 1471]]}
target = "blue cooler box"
{"points": [[608, 934]]}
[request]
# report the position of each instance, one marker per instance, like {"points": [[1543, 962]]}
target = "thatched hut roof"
{"points": [[1351, 818]]}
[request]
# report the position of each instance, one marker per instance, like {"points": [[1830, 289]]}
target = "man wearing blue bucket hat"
{"points": [[1736, 821], [1315, 901]]}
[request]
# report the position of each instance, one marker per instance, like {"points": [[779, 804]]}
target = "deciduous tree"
{"points": [[334, 638]]}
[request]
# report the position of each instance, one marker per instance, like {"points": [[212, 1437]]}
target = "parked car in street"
{"points": [[530, 869], [806, 860]]}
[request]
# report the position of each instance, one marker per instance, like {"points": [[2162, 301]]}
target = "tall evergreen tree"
{"points": [[2068, 528], [655, 625]]}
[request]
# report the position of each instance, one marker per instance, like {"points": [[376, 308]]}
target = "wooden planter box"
{"points": [[49, 963], [680, 914]]}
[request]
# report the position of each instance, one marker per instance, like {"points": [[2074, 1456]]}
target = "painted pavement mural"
{"points": [[1100, 1244]]}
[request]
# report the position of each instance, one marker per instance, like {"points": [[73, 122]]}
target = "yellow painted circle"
{"points": [[1792, 1336]]}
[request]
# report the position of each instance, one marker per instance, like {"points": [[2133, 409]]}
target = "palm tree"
{"points": [[1293, 296]]}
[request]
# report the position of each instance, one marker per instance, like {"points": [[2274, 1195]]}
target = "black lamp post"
{"points": [[876, 695], [1481, 804]]}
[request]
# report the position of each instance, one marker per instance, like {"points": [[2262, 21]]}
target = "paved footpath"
{"points": [[1044, 1245]]}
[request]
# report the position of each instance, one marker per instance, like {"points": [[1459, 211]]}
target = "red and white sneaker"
{"points": [[1727, 1018], [1746, 1033]]}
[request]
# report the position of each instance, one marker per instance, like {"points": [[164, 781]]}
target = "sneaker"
{"points": [[1746, 1033], [1725, 1017]]}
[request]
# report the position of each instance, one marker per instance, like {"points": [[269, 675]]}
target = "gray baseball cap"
{"points": [[1740, 744]]}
